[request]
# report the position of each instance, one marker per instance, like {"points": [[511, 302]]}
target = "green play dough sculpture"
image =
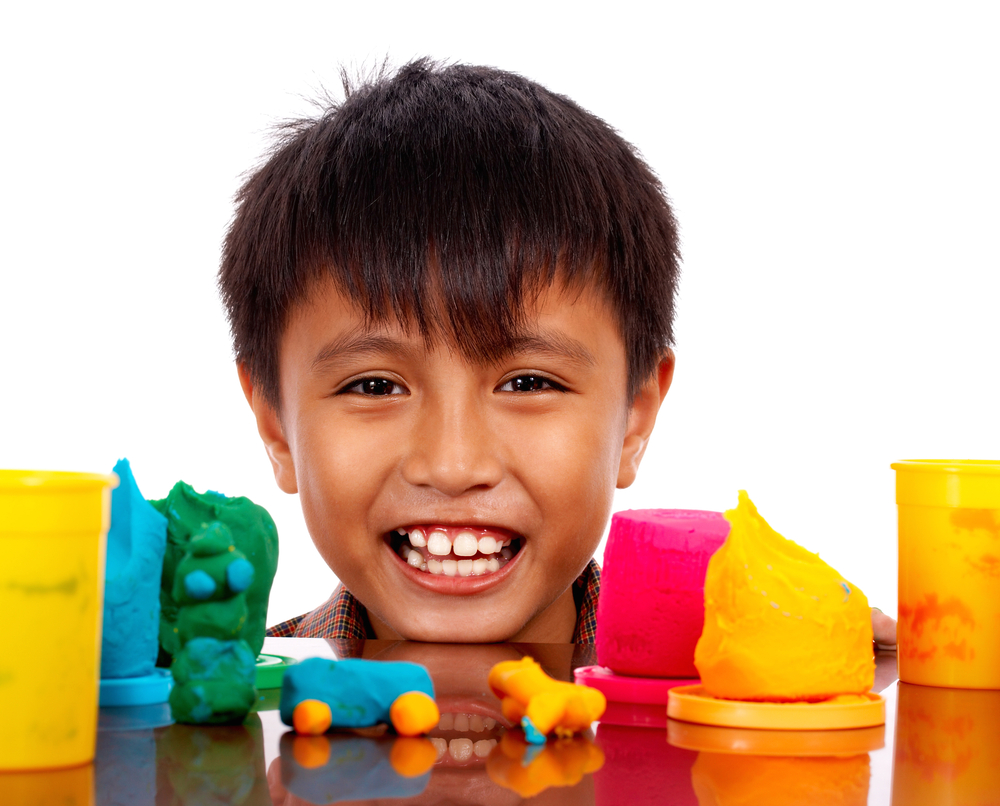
{"points": [[207, 535]]}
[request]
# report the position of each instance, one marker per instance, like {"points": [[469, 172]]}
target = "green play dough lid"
{"points": [[271, 670]]}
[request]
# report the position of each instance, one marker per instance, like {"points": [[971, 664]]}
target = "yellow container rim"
{"points": [[49, 480], [969, 467]]}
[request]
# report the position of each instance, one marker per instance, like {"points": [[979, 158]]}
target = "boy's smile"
{"points": [[457, 500]]}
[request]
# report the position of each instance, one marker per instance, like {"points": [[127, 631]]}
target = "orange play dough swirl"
{"points": [[780, 624]]}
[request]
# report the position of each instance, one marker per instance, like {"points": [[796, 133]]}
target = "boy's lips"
{"points": [[455, 559]]}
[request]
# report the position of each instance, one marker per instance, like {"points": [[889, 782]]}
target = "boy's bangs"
{"points": [[446, 198]]}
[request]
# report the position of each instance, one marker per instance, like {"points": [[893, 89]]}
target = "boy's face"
{"points": [[398, 448]]}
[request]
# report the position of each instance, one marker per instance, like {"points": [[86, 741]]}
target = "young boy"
{"points": [[451, 300]]}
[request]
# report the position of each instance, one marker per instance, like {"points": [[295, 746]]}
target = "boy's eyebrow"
{"points": [[556, 345], [356, 343]]}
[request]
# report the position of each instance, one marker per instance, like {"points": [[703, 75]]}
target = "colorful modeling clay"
{"points": [[136, 543], [318, 694], [541, 705], [210, 576], [529, 769], [213, 682], [652, 605], [780, 624]]}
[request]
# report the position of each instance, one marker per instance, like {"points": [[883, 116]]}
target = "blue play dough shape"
{"points": [[359, 692], [137, 540], [531, 733], [199, 585], [239, 575]]}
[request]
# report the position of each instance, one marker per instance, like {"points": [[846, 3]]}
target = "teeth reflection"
{"points": [[483, 747], [460, 749]]}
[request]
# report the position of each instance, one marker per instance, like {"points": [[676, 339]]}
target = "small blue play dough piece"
{"points": [[137, 540], [199, 585], [359, 692], [531, 733], [239, 575]]}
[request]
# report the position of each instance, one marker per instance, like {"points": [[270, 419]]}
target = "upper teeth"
{"points": [[465, 544]]}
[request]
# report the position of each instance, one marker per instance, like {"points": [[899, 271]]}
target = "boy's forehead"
{"points": [[546, 321]]}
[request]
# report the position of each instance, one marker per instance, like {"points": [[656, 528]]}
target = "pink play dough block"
{"points": [[652, 609]]}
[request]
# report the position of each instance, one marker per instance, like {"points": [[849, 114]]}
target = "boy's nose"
{"points": [[453, 449]]}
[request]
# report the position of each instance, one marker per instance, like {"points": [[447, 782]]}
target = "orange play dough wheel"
{"points": [[694, 704]]}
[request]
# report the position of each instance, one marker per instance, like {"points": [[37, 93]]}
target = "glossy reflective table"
{"points": [[938, 746]]}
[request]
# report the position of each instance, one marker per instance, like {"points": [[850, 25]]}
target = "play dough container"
{"points": [[948, 632], [52, 539]]}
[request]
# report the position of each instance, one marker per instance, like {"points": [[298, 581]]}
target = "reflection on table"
{"points": [[946, 749]]}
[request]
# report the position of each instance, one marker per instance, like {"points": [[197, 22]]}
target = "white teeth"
{"points": [[476, 723], [416, 559], [440, 745], [439, 544], [506, 553], [465, 544], [480, 566], [450, 567], [417, 539], [434, 566], [461, 722], [493, 565], [460, 749], [465, 568], [447, 721], [487, 545], [483, 747], [489, 723]]}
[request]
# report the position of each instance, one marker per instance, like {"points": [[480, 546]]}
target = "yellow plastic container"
{"points": [[53, 528], [949, 573]]}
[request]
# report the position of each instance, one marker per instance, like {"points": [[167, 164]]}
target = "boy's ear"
{"points": [[271, 431], [642, 418]]}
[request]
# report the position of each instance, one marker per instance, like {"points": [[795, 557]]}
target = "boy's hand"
{"points": [[884, 629]]}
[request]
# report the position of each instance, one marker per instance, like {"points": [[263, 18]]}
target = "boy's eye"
{"points": [[529, 383], [374, 387]]}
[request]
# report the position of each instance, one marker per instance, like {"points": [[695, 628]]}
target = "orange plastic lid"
{"points": [[694, 704], [755, 742]]}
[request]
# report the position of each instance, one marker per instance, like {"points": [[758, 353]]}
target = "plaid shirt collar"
{"points": [[342, 617]]}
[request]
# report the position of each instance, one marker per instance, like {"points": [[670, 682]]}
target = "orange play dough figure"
{"points": [[780, 624], [541, 705]]}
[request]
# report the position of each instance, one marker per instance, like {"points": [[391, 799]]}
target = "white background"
{"points": [[834, 168]]}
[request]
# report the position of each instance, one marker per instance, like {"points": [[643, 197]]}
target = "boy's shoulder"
{"points": [[343, 618]]}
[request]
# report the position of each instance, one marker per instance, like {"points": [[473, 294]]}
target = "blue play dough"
{"points": [[239, 575], [359, 692], [199, 585], [137, 540], [531, 733]]}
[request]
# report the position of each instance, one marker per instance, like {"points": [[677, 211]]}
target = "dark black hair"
{"points": [[444, 196]]}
